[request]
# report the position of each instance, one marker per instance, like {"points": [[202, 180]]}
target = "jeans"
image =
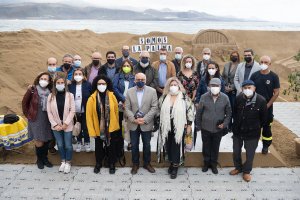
{"points": [[210, 148], [84, 132], [135, 141], [250, 147], [64, 144]]}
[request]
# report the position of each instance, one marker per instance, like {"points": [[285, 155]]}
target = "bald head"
{"points": [[77, 57], [52, 61], [265, 59], [140, 77], [125, 47], [96, 56]]}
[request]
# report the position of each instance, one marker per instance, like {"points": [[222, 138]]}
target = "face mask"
{"points": [[178, 56], [233, 58], [206, 57], [60, 87], [188, 65], [110, 61], [77, 63], [78, 78], [140, 84], [215, 90], [43, 83], [144, 60], [125, 54], [126, 70], [212, 72], [263, 66], [248, 59], [162, 58], [67, 66], [144, 65], [101, 88], [174, 90], [96, 62], [51, 69], [248, 92]]}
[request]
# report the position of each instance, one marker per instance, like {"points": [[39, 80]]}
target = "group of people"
{"points": [[125, 99]]}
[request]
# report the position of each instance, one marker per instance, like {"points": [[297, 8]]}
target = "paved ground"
{"points": [[288, 114], [28, 182]]}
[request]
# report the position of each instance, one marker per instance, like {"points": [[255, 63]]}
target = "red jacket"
{"points": [[30, 103]]}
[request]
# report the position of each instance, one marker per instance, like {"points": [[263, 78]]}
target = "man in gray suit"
{"points": [[245, 70], [141, 107]]}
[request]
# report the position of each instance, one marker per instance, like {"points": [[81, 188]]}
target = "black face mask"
{"points": [[233, 58], [67, 66], [96, 62], [110, 61], [248, 59]]}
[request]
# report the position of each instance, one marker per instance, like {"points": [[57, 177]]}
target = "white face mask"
{"points": [[188, 65], [163, 57], [60, 87], [178, 56], [144, 65], [215, 90], [212, 72], [101, 88], [206, 57], [78, 78], [248, 92], [263, 66], [174, 90], [43, 83]]}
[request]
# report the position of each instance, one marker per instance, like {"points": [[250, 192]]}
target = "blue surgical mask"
{"points": [[51, 69], [163, 58], [77, 63], [144, 60], [140, 84]]}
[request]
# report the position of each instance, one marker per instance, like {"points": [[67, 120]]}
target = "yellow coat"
{"points": [[92, 120]]}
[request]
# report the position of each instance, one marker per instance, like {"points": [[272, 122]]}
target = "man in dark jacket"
{"points": [[178, 57], [250, 114], [109, 69], [125, 55], [213, 117]]}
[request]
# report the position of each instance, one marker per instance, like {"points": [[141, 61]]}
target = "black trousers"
{"points": [[250, 147], [266, 130], [173, 149], [111, 151], [210, 148]]}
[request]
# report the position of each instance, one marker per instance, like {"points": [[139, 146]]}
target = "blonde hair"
{"points": [[194, 62], [169, 81]]}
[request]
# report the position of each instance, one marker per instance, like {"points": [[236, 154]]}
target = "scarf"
{"points": [[178, 115], [43, 94], [106, 110]]}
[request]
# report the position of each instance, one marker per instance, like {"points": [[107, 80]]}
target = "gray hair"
{"points": [[206, 50], [68, 56], [178, 48]]}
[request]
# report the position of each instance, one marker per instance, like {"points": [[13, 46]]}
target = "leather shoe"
{"points": [[247, 177], [214, 170], [205, 168], [265, 150], [234, 172], [112, 169], [149, 168], [97, 168], [134, 169]]}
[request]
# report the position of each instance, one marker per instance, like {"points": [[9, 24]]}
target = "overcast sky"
{"points": [[271, 10]]}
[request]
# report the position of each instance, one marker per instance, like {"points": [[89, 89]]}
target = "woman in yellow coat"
{"points": [[102, 116]]}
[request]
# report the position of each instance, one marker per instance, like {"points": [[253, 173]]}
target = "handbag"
{"points": [[77, 128]]}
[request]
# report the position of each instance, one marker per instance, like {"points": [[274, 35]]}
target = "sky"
{"points": [[270, 10]]}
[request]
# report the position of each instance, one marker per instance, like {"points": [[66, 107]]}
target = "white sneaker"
{"points": [[87, 147], [67, 168], [62, 167], [78, 147]]}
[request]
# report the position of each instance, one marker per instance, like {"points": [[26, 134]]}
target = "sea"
{"points": [[141, 27]]}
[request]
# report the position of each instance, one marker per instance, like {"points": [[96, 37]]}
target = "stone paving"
{"points": [[28, 182]]}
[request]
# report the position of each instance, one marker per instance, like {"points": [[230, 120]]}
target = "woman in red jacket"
{"points": [[34, 106]]}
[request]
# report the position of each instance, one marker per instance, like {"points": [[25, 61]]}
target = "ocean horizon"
{"points": [[141, 27]]}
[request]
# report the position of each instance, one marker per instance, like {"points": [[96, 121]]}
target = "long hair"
{"points": [[60, 75], [217, 74], [78, 69], [126, 61], [37, 79], [169, 81], [236, 52], [182, 64], [106, 79]]}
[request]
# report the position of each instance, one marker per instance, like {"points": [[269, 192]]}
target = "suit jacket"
{"points": [[239, 75], [148, 107], [69, 111]]}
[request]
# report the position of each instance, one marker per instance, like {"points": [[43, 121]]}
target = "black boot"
{"points": [[46, 162], [170, 168], [97, 168], [39, 155], [174, 171]]}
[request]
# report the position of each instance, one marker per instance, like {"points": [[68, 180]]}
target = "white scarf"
{"points": [[178, 115]]}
